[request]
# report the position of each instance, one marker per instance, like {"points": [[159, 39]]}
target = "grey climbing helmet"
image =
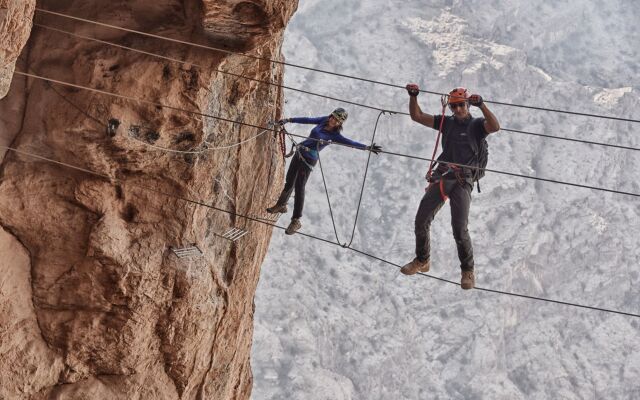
{"points": [[340, 114]]}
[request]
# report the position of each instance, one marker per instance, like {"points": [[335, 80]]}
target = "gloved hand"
{"points": [[283, 121], [413, 89], [375, 148], [476, 100]]}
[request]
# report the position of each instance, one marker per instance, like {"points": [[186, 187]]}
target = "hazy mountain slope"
{"points": [[331, 324]]}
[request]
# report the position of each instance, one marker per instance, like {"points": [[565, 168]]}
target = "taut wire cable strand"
{"points": [[497, 171], [160, 148], [317, 94], [91, 117], [199, 203], [340, 144], [323, 71], [186, 63], [326, 191], [364, 180], [148, 102]]}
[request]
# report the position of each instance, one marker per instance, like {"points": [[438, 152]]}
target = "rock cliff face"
{"points": [[93, 302], [15, 26]]}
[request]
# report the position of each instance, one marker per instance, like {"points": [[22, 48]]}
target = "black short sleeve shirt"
{"points": [[456, 146]]}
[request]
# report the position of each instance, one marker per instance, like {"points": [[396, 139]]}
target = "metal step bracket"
{"points": [[267, 216], [187, 252], [234, 234]]}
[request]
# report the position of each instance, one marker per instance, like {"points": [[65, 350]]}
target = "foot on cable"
{"points": [[416, 266], [468, 280], [293, 226], [277, 209]]}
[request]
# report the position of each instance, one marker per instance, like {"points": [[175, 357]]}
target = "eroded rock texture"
{"points": [[93, 303], [15, 26]]}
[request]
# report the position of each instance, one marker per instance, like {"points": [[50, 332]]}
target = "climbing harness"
{"points": [[480, 152], [296, 149]]}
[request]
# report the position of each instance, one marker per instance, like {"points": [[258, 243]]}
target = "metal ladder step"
{"points": [[234, 234], [267, 216], [185, 252]]}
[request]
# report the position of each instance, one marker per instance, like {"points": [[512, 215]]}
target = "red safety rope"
{"points": [[444, 102], [283, 147]]}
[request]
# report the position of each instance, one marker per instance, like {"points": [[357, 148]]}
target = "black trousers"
{"points": [[432, 202], [297, 176]]}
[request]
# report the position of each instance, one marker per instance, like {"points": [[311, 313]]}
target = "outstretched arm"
{"points": [[344, 140], [414, 109], [305, 120], [491, 123]]}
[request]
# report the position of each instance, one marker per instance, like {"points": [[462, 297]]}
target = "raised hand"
{"points": [[476, 100], [413, 89]]}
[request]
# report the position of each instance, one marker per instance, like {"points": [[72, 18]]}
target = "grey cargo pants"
{"points": [[432, 202]]}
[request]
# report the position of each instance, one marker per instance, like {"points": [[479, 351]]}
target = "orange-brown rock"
{"points": [[244, 24], [15, 26], [94, 304]]}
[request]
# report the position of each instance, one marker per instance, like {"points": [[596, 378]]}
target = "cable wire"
{"points": [[323, 71], [497, 171], [182, 62], [200, 203], [186, 63], [326, 191], [148, 102], [91, 117], [340, 144], [364, 179], [160, 148]]}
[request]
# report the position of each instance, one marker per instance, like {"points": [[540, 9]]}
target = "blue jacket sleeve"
{"points": [[304, 120], [341, 139]]}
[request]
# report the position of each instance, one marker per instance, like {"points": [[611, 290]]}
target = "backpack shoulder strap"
{"points": [[473, 140]]}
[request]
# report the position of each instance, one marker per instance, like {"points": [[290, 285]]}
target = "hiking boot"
{"points": [[293, 226], [277, 209], [416, 266], [468, 280]]}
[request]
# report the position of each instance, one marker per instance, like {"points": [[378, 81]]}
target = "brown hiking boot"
{"points": [[416, 266], [468, 280], [277, 209], [293, 226]]}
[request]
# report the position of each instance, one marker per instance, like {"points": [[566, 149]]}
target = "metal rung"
{"points": [[234, 234], [268, 217], [184, 252], [273, 217]]}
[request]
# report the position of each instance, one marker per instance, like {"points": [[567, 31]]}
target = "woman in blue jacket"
{"points": [[327, 130]]}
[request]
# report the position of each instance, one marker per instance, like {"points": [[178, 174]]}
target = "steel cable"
{"points": [[340, 144], [323, 71], [200, 203], [519, 131]]}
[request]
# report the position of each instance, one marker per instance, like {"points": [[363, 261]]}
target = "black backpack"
{"points": [[481, 151]]}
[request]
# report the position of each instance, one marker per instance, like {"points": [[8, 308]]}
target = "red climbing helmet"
{"points": [[458, 95]]}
